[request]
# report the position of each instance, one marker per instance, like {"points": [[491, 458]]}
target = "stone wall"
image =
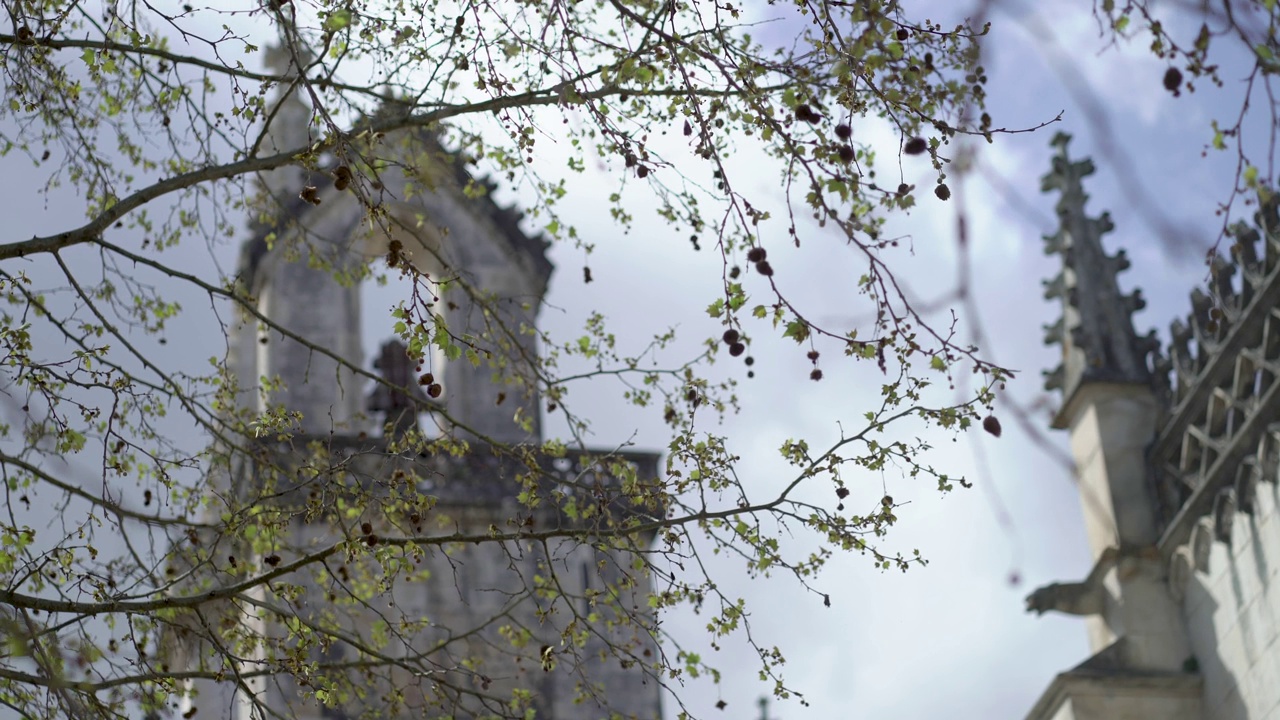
{"points": [[1231, 602]]}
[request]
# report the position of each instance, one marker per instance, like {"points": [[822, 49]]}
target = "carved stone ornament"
{"points": [[1096, 328], [1247, 485], [1224, 514], [1269, 453], [1201, 544], [1181, 568], [401, 398], [1077, 598]]}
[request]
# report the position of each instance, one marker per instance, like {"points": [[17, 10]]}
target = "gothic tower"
{"points": [[429, 556]]}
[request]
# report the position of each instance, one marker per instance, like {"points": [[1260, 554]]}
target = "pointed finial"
{"points": [[1095, 330]]}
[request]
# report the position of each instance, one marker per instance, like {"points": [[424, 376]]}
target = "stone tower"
{"points": [[489, 578], [1170, 448]]}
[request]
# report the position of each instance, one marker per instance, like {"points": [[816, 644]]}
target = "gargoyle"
{"points": [[1078, 598]]}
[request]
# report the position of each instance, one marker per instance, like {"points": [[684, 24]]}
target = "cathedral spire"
{"points": [[1095, 330]]}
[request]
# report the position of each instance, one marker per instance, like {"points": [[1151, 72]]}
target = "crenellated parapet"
{"points": [[572, 488], [1096, 327]]}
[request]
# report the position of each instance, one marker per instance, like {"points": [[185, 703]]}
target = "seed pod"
{"points": [[806, 114], [991, 425], [342, 177]]}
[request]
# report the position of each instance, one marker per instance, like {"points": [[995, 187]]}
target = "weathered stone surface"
{"points": [[1177, 478], [1103, 695], [1095, 330]]}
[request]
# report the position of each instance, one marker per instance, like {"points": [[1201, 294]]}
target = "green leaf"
{"points": [[337, 20], [737, 298], [796, 330]]}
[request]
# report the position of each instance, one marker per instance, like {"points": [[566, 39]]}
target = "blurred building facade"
{"points": [[1177, 450], [557, 625]]}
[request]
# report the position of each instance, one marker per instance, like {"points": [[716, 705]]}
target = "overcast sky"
{"points": [[950, 639]]}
